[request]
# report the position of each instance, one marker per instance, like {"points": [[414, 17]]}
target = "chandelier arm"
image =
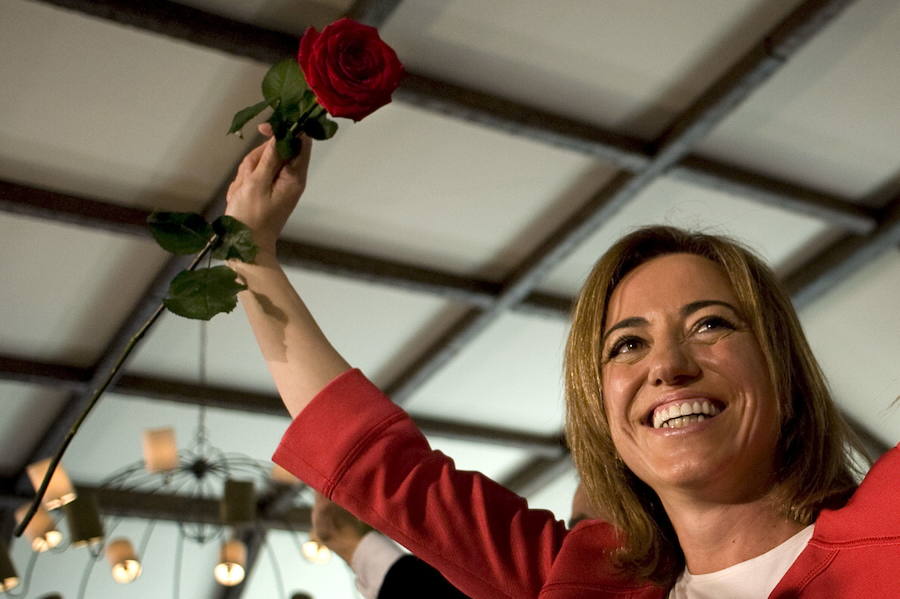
{"points": [[145, 540], [276, 569], [174, 488], [137, 479], [293, 531], [59, 548], [176, 579], [122, 474], [29, 571], [57, 520], [86, 576], [248, 462]]}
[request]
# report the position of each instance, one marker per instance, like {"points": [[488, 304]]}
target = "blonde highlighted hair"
{"points": [[815, 467]]}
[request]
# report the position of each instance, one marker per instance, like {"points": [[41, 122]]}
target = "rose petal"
{"points": [[350, 69]]}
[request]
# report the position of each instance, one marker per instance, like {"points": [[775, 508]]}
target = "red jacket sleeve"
{"points": [[362, 451]]}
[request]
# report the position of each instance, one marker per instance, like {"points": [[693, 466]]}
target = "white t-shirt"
{"points": [[371, 560], [752, 579]]}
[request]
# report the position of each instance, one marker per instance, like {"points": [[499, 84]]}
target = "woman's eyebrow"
{"points": [[692, 307], [634, 321]]}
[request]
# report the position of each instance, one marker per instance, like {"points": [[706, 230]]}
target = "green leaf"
{"points": [[242, 117], [280, 125], [203, 293], [284, 84], [288, 147], [295, 111], [308, 102], [180, 232], [235, 240], [320, 128]]}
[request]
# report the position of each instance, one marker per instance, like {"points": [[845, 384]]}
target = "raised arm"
{"points": [[262, 196], [358, 448]]}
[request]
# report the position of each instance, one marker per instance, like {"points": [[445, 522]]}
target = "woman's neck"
{"points": [[716, 536]]}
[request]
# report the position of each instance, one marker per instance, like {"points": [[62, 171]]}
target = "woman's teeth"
{"points": [[683, 414]]}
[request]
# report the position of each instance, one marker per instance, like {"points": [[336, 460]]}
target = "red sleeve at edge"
{"points": [[358, 448]]}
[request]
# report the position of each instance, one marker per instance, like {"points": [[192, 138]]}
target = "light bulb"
{"points": [[51, 539], [315, 552], [60, 490], [126, 571], [230, 569], [123, 560], [41, 530], [229, 573]]}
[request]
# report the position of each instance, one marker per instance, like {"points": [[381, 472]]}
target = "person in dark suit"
{"points": [[382, 569]]}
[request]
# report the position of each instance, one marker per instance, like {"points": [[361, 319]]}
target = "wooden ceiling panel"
{"points": [[66, 289], [829, 119], [631, 66], [777, 235], [855, 334]]}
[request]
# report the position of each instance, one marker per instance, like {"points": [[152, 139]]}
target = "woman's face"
{"points": [[686, 390]]}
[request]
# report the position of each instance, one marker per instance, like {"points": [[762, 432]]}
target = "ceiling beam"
{"points": [[161, 506], [471, 106], [60, 376], [778, 193], [69, 209], [521, 120], [261, 403], [845, 257], [625, 152], [374, 13], [226, 398], [537, 473], [873, 445], [7, 525], [755, 68], [98, 215], [759, 64], [191, 25]]}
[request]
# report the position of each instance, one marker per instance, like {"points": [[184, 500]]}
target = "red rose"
{"points": [[349, 68]]}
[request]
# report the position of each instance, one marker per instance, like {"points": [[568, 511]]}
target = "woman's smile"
{"points": [[686, 387]]}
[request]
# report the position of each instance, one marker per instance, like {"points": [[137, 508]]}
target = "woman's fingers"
{"points": [[265, 129], [248, 164], [269, 163], [297, 168]]}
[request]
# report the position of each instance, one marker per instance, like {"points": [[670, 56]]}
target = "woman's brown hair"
{"points": [[815, 465]]}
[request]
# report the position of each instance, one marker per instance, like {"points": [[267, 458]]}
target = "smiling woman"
{"points": [[697, 416], [668, 319]]}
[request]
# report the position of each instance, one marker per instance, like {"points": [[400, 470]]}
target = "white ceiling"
{"points": [[100, 110]]}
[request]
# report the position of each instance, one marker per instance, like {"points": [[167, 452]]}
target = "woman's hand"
{"points": [[299, 356], [336, 528], [266, 189]]}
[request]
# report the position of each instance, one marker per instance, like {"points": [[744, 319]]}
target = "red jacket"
{"points": [[362, 451]]}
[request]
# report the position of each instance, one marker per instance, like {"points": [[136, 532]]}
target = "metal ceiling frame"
{"points": [[869, 232], [107, 216], [74, 379]]}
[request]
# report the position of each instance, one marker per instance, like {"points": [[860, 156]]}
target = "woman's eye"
{"points": [[714, 323], [624, 346]]}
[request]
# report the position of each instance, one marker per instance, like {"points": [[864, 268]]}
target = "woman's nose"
{"points": [[671, 363]]}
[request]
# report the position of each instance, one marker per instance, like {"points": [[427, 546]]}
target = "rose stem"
{"points": [[39, 494]]}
